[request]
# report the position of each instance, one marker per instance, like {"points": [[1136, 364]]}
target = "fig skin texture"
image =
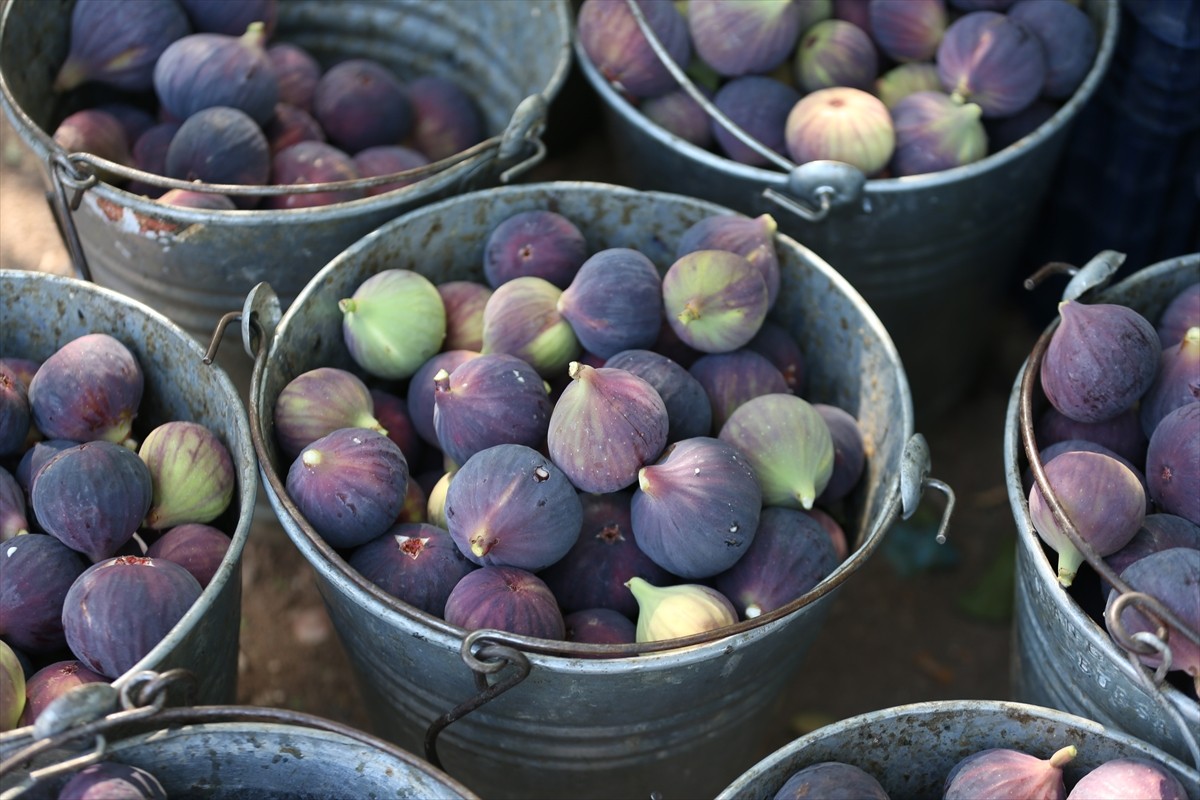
{"points": [[521, 318], [464, 302], [420, 396], [611, 38], [195, 546], [904, 79], [119, 44], [232, 19], [192, 474], [507, 599], [1181, 313], [1158, 532], [90, 388], [614, 302], [34, 459], [1121, 434], [393, 323], [736, 38], [36, 572], [539, 243], [417, 563], [312, 162], [935, 132], [831, 780], [1173, 463], [599, 626], [759, 105], [689, 411], [730, 379], [290, 125], [751, 238], [447, 118], [15, 414], [111, 780], [203, 70], [318, 402], [51, 681], [677, 112], [715, 300], [842, 123], [219, 145], [361, 103], [835, 52], [1129, 777], [386, 160], [1003, 772], [908, 31], [781, 348], [98, 132], [296, 74], [1176, 383], [849, 452], [672, 612], [1068, 39], [991, 60]]}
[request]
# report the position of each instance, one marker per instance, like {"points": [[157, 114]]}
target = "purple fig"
{"points": [[360, 103], [448, 119], [539, 243], [696, 509], [349, 485], [195, 546], [118, 45], [93, 497], [1073, 445], [669, 344], [489, 400], [833, 530], [507, 599], [509, 505], [96, 132], [715, 300], [1101, 358], [783, 350], [1128, 777], [606, 425], [417, 563], [149, 154], [737, 38], [730, 379], [35, 458], [1068, 39], [52, 681], [1004, 772], [752, 238], [464, 302], [759, 105], [678, 113], [421, 389], [831, 779], [789, 445], [689, 411], [312, 162], [387, 160], [1122, 434], [393, 323], [849, 452], [1182, 312], [112, 780], [206, 200], [416, 501], [521, 318], [36, 572], [290, 125], [14, 520], [611, 38], [16, 416], [222, 16], [599, 626], [672, 612], [318, 402], [1004, 131], [908, 31], [221, 145], [1158, 532], [980, 5], [391, 410], [836, 53], [296, 73], [1173, 463], [904, 79], [935, 132], [192, 473], [22, 369], [841, 124], [856, 11], [993, 61], [1176, 383], [614, 302], [206, 70], [1101, 496]]}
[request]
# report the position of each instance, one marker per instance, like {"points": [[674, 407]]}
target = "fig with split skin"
{"points": [[50, 682], [393, 323], [1006, 772], [610, 36], [316, 403], [539, 243], [832, 780], [417, 563], [36, 572], [119, 44], [614, 302], [738, 38], [508, 599], [191, 471], [361, 103], [1131, 776], [203, 70], [844, 124], [195, 546], [715, 300], [90, 388], [689, 411], [110, 780]]}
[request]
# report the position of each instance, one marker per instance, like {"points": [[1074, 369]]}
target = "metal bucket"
{"points": [[196, 265], [1061, 656], [43, 312], [932, 254], [910, 749], [682, 718]]}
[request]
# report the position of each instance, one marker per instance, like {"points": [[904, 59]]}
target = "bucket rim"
{"points": [[698, 646]]}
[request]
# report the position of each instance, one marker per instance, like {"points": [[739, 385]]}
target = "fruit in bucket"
{"points": [[834, 52], [737, 38], [36, 572], [203, 70], [831, 779], [1007, 772], [221, 16], [689, 412], [1129, 777], [904, 79], [934, 132], [844, 124], [447, 119], [317, 402], [1173, 463], [290, 125], [296, 73], [90, 388], [393, 323], [849, 452], [14, 520], [1068, 40], [195, 546], [730, 379], [118, 44], [538, 243], [614, 302], [312, 162], [191, 471], [361, 103], [52, 681], [464, 302], [781, 348], [1181, 313], [521, 318], [751, 238], [386, 160], [715, 300], [1176, 383], [507, 599], [112, 779], [672, 612], [599, 626], [15, 416], [759, 105], [609, 34], [415, 562], [989, 59], [420, 397], [909, 31]]}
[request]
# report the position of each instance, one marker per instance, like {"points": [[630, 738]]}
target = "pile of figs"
{"points": [[577, 445], [204, 92], [893, 88], [1118, 437], [110, 528]]}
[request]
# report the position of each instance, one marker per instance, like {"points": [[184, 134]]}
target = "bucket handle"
{"points": [[914, 480]]}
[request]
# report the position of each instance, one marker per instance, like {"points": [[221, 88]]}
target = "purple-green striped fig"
{"points": [[521, 318], [835, 52], [844, 124], [935, 132], [1129, 777], [1181, 313], [52, 681], [415, 562], [220, 144], [16, 417], [750, 237], [1068, 39], [318, 402], [715, 300], [393, 323], [599, 626], [221, 16], [118, 44], [195, 546], [36, 572], [849, 452], [387, 160], [464, 302], [110, 780], [783, 350], [831, 779], [447, 118], [904, 79], [789, 445], [203, 70], [537, 243], [90, 388], [192, 473], [1176, 383], [759, 105], [908, 31], [391, 410], [12, 686], [989, 59], [1121, 434], [14, 519], [361, 103], [1005, 772], [312, 162], [689, 411], [736, 37], [421, 388], [611, 38], [506, 599], [614, 302], [678, 113], [672, 612], [296, 73], [1173, 463], [730, 379]]}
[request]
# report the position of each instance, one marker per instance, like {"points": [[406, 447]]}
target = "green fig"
{"points": [[12, 681], [521, 318], [715, 300], [191, 471], [393, 323], [672, 612]]}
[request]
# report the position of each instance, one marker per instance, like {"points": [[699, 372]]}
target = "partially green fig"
{"points": [[316, 403], [393, 323], [521, 318], [715, 300], [672, 612], [192, 474], [12, 682]]}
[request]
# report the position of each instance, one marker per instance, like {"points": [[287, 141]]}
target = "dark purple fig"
{"points": [[832, 780], [521, 318], [1128, 777], [715, 300], [783, 350], [611, 38], [539, 243], [856, 11], [118, 44], [669, 344], [93, 497], [1068, 40], [935, 132], [112, 780], [150, 154], [908, 31], [195, 546], [35, 457], [836, 53], [696, 509], [489, 400], [1181, 313], [207, 70], [737, 38], [417, 563], [993, 61], [296, 73], [593, 572], [849, 452], [789, 445], [290, 125], [206, 200], [14, 520], [22, 369], [759, 105], [36, 572], [1176, 383], [980, 5], [1101, 496], [672, 612], [98, 133], [192, 472], [464, 302], [752, 238], [421, 388], [134, 120], [1004, 772], [387, 160], [1070, 445], [349, 485], [833, 530], [730, 379], [904, 79], [506, 599], [222, 16], [391, 410], [447, 118], [689, 411], [52, 681], [1101, 358], [312, 162], [599, 626], [1173, 463], [361, 103], [511, 506], [606, 425], [393, 322], [221, 145], [318, 402], [16, 416], [677, 112], [1122, 434], [614, 302], [1158, 532], [844, 124], [1004, 131]]}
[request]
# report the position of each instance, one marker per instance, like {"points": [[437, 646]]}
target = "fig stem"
{"points": [[441, 381], [689, 314], [1063, 756], [1069, 560], [348, 305], [311, 458]]}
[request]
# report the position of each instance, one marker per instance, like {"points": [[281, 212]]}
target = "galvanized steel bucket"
{"points": [[41, 313], [910, 749], [514, 716], [195, 265], [931, 254], [1062, 657]]}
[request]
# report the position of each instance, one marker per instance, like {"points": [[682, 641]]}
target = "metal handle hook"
{"points": [[914, 480]]}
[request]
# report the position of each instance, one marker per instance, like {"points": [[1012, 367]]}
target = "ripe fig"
{"points": [[417, 563], [1068, 39], [614, 302], [715, 300], [16, 417], [135, 120], [50, 682], [833, 529], [296, 73], [689, 412], [606, 425], [204, 70], [386, 160], [118, 44], [1101, 358], [507, 599], [93, 497], [599, 626], [221, 16], [908, 31], [97, 132], [1182, 312], [1173, 463], [13, 518], [730, 379], [856, 11], [672, 612], [695, 510], [393, 323], [781, 348], [318, 402], [416, 501], [906, 78], [1158, 532], [448, 119], [195, 546], [509, 505], [521, 318], [611, 38], [849, 452], [841, 124], [1121, 434], [1004, 772], [1068, 445], [1176, 383], [109, 780], [36, 572], [991, 60], [835, 52], [538, 243], [831, 780], [361, 103], [149, 154], [421, 390], [290, 125], [1101, 496], [935, 132], [391, 410], [759, 105], [187, 199], [312, 162], [435, 503], [12, 686], [493, 399], [1128, 777], [20, 368], [119, 609], [737, 38], [752, 238], [677, 112], [35, 458], [221, 145], [349, 485], [192, 473], [464, 302], [789, 445]]}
